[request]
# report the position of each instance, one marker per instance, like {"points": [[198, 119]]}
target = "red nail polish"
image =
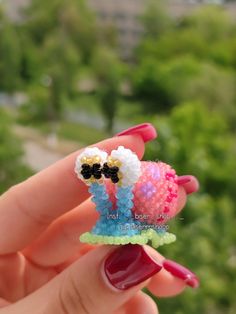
{"points": [[190, 183], [129, 265], [145, 130], [181, 272], [183, 180]]}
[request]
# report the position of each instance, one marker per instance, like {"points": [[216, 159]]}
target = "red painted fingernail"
{"points": [[181, 272], [145, 130], [183, 180], [190, 183], [129, 265]]}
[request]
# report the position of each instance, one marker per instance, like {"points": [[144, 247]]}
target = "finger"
{"points": [[61, 240], [48, 253], [172, 279], [168, 282], [100, 282], [189, 183], [31, 206], [19, 277], [182, 199], [139, 304], [4, 303]]}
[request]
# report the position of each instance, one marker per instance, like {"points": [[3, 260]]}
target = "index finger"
{"points": [[29, 207]]}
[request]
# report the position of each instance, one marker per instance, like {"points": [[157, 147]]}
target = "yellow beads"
{"points": [[91, 160]]}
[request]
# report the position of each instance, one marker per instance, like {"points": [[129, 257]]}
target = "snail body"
{"points": [[134, 198]]}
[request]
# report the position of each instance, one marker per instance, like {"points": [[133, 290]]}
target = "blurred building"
{"points": [[13, 7], [124, 15], [199, 1]]}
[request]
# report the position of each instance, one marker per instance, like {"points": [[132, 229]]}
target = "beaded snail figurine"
{"points": [[134, 198]]}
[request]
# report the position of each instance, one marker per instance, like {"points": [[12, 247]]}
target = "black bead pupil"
{"points": [[85, 166], [96, 166], [111, 172], [89, 171], [96, 170], [114, 169], [115, 179], [97, 175]]}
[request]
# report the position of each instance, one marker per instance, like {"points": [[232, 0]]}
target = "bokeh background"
{"points": [[74, 72]]}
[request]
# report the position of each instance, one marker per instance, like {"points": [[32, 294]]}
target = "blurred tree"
{"points": [[212, 22], [214, 86], [57, 80], [204, 34], [30, 63], [60, 39], [108, 36], [12, 168], [108, 72], [60, 72], [194, 58], [9, 55], [196, 141], [160, 85], [164, 85], [73, 17], [37, 108], [155, 19]]}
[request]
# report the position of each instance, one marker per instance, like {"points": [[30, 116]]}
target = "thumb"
{"points": [[99, 282]]}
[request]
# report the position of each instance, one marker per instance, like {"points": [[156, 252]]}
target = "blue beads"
{"points": [[117, 222], [100, 198], [125, 224], [124, 199]]}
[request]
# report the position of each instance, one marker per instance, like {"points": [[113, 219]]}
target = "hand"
{"points": [[45, 269]]}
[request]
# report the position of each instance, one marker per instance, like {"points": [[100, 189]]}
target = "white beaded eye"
{"points": [[89, 163], [129, 165]]}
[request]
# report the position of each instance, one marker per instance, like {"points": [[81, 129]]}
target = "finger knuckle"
{"points": [[21, 203], [74, 298]]}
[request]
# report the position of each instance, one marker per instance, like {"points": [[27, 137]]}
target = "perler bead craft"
{"points": [[134, 198]]}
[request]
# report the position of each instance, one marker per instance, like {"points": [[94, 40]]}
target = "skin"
{"points": [[43, 266]]}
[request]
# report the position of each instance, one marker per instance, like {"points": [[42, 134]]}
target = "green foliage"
{"points": [[30, 65], [164, 85], [57, 83], [212, 22], [215, 87], [12, 169], [36, 108], [202, 34], [160, 85], [9, 55], [155, 19], [108, 72], [57, 44], [72, 18], [194, 58], [61, 70], [196, 141]]}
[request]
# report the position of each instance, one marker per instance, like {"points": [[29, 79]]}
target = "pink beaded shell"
{"points": [[155, 193]]}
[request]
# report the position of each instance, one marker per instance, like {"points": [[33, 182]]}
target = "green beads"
{"points": [[151, 235]]}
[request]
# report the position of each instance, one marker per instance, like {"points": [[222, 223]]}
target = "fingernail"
{"points": [[145, 130], [190, 183], [183, 180], [181, 272], [129, 265]]}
